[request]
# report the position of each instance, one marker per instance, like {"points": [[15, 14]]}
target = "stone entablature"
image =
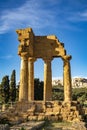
{"points": [[32, 47]]}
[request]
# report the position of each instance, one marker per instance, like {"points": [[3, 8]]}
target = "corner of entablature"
{"points": [[62, 44], [23, 54], [18, 31], [24, 32], [67, 57]]}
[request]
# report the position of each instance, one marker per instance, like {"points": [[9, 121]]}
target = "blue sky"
{"points": [[67, 19]]}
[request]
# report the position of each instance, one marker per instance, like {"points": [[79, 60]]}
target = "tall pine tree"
{"points": [[38, 89], [13, 86], [5, 89]]}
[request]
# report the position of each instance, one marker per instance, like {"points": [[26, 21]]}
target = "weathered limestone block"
{"points": [[49, 113], [3, 107], [57, 110], [49, 110], [49, 104], [33, 118], [78, 125], [31, 111], [76, 113], [41, 117], [44, 107], [73, 108], [71, 113], [54, 118], [65, 118]]}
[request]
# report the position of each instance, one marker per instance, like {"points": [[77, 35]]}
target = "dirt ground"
{"points": [[57, 126]]}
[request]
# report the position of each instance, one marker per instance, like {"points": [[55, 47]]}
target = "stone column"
{"points": [[23, 90], [47, 80], [67, 79], [31, 79]]}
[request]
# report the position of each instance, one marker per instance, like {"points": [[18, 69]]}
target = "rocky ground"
{"points": [[45, 125], [65, 126], [31, 125]]}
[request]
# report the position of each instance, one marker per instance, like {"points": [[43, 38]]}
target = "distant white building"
{"points": [[76, 82], [57, 82], [79, 82]]}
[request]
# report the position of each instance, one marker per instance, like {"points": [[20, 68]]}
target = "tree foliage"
{"points": [[13, 86], [79, 94], [5, 89], [38, 89], [8, 88], [58, 93], [9, 91]]}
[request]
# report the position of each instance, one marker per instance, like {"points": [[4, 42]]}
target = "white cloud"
{"points": [[79, 76], [56, 78], [30, 14], [61, 78], [84, 14], [34, 14], [78, 16], [6, 57]]}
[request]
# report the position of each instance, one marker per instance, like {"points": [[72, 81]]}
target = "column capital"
{"points": [[67, 57], [24, 54], [47, 59], [32, 59], [23, 48]]}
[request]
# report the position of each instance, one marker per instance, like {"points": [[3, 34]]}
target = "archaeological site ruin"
{"points": [[31, 48]]}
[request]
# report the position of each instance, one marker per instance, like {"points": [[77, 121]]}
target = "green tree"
{"points": [[5, 89], [58, 93], [38, 89], [17, 91], [79, 94], [13, 86]]}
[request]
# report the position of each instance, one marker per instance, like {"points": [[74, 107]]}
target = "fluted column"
{"points": [[47, 80], [31, 79], [23, 89], [67, 79]]}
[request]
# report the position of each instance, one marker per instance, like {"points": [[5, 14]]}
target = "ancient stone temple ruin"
{"points": [[31, 48]]}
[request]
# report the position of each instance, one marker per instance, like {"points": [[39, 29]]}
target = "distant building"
{"points": [[57, 82], [79, 82], [76, 82]]}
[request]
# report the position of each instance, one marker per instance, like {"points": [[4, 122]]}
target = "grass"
{"points": [[56, 125]]}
